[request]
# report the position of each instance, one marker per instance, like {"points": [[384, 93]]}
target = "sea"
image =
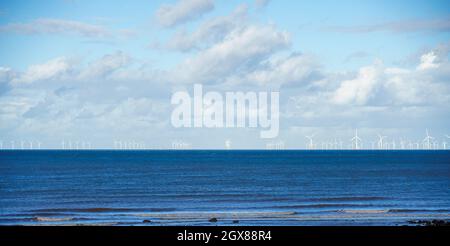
{"points": [[223, 187]]}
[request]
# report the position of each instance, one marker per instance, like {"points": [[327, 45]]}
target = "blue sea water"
{"points": [[45, 187]]}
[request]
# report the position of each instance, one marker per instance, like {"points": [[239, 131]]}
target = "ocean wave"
{"points": [[54, 210], [99, 210], [231, 214], [364, 211], [320, 205], [50, 219], [348, 198]]}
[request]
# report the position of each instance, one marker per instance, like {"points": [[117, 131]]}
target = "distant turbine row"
{"points": [[428, 143]]}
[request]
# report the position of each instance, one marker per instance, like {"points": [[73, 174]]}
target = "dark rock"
{"points": [[213, 220], [430, 222], [146, 221], [235, 221]]}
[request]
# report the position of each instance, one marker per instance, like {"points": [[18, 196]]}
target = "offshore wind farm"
{"points": [[312, 142]]}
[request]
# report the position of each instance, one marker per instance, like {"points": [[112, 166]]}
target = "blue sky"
{"points": [[307, 21], [380, 66]]}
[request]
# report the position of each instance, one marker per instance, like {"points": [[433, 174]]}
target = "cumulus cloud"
{"points": [[426, 84], [57, 26], [295, 70], [428, 61], [209, 32], [68, 69], [360, 89], [239, 50], [106, 65], [6, 75], [51, 70], [169, 15]]}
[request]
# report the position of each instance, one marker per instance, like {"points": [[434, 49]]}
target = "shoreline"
{"points": [[241, 218]]}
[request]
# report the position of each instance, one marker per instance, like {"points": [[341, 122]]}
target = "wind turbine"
{"points": [[444, 144], [310, 146], [380, 141], [402, 144], [228, 144], [335, 144], [355, 140], [427, 140]]}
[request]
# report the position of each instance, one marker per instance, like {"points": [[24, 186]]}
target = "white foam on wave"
{"points": [[223, 215], [50, 219], [364, 211]]}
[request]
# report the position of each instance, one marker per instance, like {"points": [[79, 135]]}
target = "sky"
{"points": [[103, 72]]}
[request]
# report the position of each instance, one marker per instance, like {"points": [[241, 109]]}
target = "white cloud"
{"points": [[47, 71], [6, 75], [428, 61], [394, 86], [360, 89], [65, 69], [57, 26], [106, 65], [209, 32], [296, 69], [241, 49], [169, 15]]}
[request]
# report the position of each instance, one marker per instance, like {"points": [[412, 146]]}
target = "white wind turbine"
{"points": [[445, 142], [380, 141], [228, 144], [355, 140], [402, 144], [393, 144], [427, 140], [311, 145], [335, 144]]}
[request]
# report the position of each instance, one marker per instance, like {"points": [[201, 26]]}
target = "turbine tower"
{"points": [[445, 142], [402, 144], [355, 140], [427, 140], [311, 145], [228, 144], [380, 141]]}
